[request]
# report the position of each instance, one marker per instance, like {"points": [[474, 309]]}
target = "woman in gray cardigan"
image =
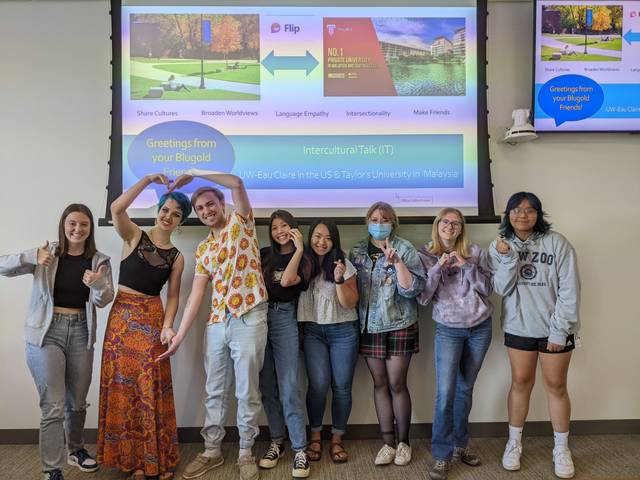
{"points": [[70, 279]]}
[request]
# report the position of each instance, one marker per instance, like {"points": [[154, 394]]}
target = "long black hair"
{"points": [[89, 243], [541, 226], [327, 266], [274, 248]]}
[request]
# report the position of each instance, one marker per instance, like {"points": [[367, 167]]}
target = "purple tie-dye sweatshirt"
{"points": [[460, 295]]}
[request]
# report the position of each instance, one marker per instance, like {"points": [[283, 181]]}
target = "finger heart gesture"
{"points": [[502, 246], [296, 238], [338, 272]]}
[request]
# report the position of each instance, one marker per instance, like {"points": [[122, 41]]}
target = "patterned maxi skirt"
{"points": [[136, 420]]}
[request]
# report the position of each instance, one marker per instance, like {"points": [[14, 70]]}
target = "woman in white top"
{"points": [[331, 336]]}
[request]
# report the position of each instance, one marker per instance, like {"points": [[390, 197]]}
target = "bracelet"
{"points": [[340, 282]]}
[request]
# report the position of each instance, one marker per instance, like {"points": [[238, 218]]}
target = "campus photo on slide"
{"points": [[571, 33], [173, 57]]}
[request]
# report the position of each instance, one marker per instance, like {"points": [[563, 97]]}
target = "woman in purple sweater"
{"points": [[458, 285]]}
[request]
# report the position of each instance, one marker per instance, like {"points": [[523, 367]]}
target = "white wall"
{"points": [[54, 128]]}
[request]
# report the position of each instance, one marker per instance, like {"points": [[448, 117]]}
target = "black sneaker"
{"points": [[53, 475], [82, 460], [270, 459], [301, 468], [439, 469], [467, 456]]}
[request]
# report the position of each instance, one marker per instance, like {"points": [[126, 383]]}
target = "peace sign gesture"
{"points": [[390, 254]]}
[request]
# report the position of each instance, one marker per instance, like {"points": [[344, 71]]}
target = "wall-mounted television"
{"points": [[587, 66], [321, 108]]}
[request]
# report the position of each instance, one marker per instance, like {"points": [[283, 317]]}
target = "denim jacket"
{"points": [[389, 306], [40, 313]]}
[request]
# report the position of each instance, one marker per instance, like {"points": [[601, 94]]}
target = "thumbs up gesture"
{"points": [[44, 255], [90, 277]]}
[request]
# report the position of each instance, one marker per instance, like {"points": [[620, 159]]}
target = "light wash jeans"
{"points": [[330, 354], [279, 381], [62, 370], [459, 353], [234, 348]]}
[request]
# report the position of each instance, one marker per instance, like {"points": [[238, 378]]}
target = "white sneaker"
{"points": [[386, 455], [562, 462], [403, 454], [511, 456]]}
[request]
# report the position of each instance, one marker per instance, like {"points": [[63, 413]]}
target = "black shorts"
{"points": [[531, 344]]}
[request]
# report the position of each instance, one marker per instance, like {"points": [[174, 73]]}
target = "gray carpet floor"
{"points": [[610, 457]]}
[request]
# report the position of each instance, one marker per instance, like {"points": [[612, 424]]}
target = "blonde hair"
{"points": [[461, 246], [216, 191], [387, 210]]}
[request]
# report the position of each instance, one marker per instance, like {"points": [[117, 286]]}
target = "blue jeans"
{"points": [[330, 354], [459, 353], [279, 382], [234, 348], [62, 369]]}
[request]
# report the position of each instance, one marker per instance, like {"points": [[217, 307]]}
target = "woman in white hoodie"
{"points": [[535, 271]]}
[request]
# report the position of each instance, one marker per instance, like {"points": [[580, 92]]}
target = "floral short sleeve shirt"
{"points": [[232, 263]]}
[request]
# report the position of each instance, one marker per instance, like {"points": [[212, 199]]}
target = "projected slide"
{"points": [[313, 107], [587, 70]]}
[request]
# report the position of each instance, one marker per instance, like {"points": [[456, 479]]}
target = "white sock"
{"points": [[212, 452], [244, 452], [515, 433], [561, 439]]}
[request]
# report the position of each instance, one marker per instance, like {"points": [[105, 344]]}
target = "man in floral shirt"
{"points": [[236, 333]]}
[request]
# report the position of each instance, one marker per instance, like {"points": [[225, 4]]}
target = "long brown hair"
{"points": [[89, 243], [462, 243], [274, 248]]}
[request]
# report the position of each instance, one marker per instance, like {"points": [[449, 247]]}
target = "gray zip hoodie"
{"points": [[540, 286], [40, 312], [460, 296]]}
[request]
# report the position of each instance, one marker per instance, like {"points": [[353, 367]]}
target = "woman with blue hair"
{"points": [[137, 430]]}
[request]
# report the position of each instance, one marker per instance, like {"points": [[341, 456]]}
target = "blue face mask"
{"points": [[380, 231]]}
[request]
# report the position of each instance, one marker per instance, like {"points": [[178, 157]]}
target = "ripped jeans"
{"points": [[62, 370]]}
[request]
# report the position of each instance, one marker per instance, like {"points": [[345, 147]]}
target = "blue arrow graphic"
{"points": [[632, 37], [273, 63]]}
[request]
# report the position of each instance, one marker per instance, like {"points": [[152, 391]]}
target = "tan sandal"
{"points": [[314, 450], [138, 475], [338, 453]]}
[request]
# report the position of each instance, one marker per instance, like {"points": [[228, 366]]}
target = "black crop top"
{"points": [[68, 289], [148, 267]]}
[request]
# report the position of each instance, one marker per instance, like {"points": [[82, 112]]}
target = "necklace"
{"points": [[164, 246]]}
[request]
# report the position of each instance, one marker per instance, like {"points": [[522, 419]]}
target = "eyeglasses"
{"points": [[446, 223], [527, 211]]}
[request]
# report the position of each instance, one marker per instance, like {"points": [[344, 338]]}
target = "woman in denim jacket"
{"points": [[70, 279], [390, 276]]}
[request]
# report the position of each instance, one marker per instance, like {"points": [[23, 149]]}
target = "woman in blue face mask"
{"points": [[390, 276]]}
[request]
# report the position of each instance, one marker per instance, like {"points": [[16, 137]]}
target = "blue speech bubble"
{"points": [[174, 147], [569, 98]]}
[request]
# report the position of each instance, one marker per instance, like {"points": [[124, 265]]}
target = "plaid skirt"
{"points": [[389, 344]]}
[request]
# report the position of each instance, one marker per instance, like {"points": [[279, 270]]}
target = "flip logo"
{"points": [[275, 27], [291, 28]]}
